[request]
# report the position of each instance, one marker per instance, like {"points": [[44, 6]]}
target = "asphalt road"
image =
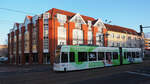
{"points": [[42, 74], [127, 77]]}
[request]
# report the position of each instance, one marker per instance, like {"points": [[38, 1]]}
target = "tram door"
{"points": [[64, 60], [108, 59], [121, 58]]}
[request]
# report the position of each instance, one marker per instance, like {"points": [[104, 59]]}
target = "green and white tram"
{"points": [[131, 55], [75, 57]]}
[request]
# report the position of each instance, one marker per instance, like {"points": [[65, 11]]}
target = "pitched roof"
{"points": [[120, 29], [30, 17], [70, 14], [17, 24], [93, 22]]}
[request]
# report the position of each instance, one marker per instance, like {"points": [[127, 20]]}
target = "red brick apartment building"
{"points": [[35, 40]]}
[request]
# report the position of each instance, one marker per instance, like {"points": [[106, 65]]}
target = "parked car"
{"points": [[3, 59]]}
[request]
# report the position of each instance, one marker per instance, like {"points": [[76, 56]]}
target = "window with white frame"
{"points": [[89, 25], [78, 22], [123, 37], [118, 44], [77, 36], [45, 34], [99, 25], [112, 44], [14, 49], [62, 19], [34, 36], [61, 36], [90, 37], [78, 32], [129, 37], [111, 35], [99, 38], [117, 36]]}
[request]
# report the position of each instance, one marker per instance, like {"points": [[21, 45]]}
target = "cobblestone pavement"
{"points": [[43, 74]]}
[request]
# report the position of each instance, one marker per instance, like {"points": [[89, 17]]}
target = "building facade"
{"points": [[147, 41], [35, 40], [123, 37]]}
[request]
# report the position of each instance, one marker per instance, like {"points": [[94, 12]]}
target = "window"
{"points": [[129, 38], [128, 54], [135, 38], [90, 36], [64, 57], [100, 55], [72, 57], [125, 55], [115, 55], [108, 55], [118, 36], [133, 55], [123, 36], [113, 35], [82, 56], [92, 56], [118, 44], [77, 36], [45, 21], [113, 44]]}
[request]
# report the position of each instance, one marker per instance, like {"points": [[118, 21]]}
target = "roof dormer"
{"points": [[77, 19], [99, 24]]}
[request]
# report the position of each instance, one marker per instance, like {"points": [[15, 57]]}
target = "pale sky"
{"points": [[126, 13]]}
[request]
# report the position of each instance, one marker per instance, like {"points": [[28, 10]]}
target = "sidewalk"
{"points": [[4, 68]]}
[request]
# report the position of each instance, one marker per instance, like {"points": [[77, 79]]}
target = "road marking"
{"points": [[143, 74]]}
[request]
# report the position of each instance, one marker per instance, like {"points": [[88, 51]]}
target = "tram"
{"points": [[76, 57]]}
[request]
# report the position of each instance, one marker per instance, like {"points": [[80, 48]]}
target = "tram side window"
{"points": [[82, 56], [92, 56], [125, 55], [64, 57], [115, 55], [100, 55], [72, 57], [137, 54], [128, 54], [133, 55], [108, 56]]}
